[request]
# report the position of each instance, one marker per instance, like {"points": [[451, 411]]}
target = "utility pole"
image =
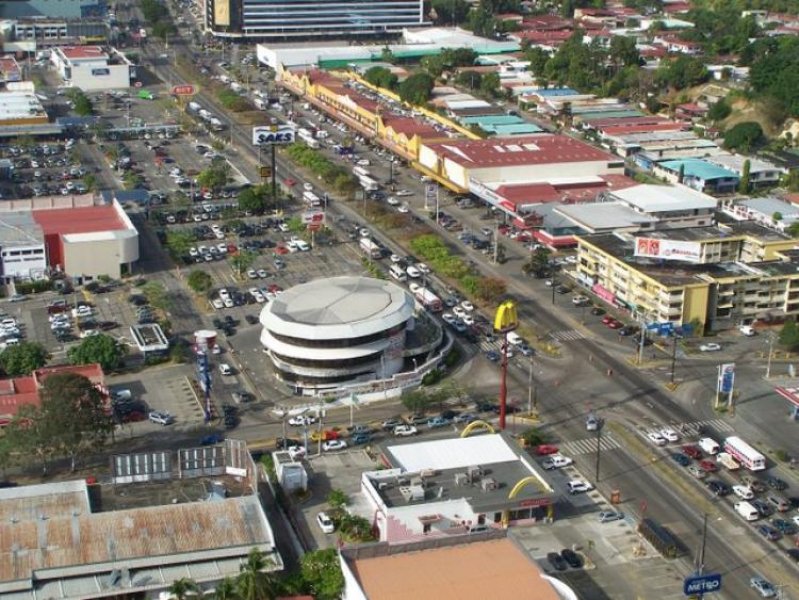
{"points": [[673, 355], [642, 336], [598, 449], [700, 566], [770, 353], [496, 241], [530, 394]]}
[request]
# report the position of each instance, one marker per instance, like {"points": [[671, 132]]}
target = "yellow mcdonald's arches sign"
{"points": [[505, 318]]}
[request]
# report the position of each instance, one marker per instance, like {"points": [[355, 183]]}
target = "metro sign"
{"points": [[274, 134], [183, 90], [702, 584]]}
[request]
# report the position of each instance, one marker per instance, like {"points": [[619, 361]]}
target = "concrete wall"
{"points": [[93, 257], [16, 264], [93, 77]]}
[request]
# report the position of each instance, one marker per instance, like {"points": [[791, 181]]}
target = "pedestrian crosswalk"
{"points": [[588, 445], [567, 334], [697, 427]]}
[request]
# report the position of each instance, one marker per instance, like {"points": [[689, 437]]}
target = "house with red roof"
{"points": [[17, 392]]}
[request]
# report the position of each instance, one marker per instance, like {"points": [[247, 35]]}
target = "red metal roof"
{"points": [[542, 193], [644, 128], [83, 52], [83, 219], [411, 127], [518, 151]]}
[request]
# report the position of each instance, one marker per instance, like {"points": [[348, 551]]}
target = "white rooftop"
{"points": [[735, 162], [597, 217], [19, 105], [664, 198], [454, 453]]}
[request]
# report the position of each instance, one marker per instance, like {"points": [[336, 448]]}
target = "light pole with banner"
{"points": [[725, 383], [204, 342], [272, 135]]}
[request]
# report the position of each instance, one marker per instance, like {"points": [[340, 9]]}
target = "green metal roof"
{"points": [[698, 169], [515, 129], [492, 120]]}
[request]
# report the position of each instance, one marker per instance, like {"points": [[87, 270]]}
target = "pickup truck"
{"points": [[405, 431], [727, 461]]}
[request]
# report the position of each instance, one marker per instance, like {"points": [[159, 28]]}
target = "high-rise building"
{"points": [[306, 19]]}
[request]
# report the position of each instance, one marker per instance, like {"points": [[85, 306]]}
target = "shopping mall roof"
{"points": [[83, 52], [604, 216], [81, 219], [664, 198], [474, 569], [562, 190], [519, 151]]}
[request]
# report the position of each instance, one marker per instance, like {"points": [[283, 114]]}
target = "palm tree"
{"points": [[253, 582], [226, 590], [183, 588]]}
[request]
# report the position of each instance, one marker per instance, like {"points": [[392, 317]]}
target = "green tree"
{"points": [[481, 20], [416, 89], [322, 574], [489, 84], [416, 401], [719, 110], [102, 349], [242, 260], [178, 242], [254, 581], [198, 281], [77, 412], [381, 77], [744, 137], [23, 358], [789, 335], [90, 181], [214, 177], [743, 186], [164, 29], [184, 588], [337, 498], [470, 79], [253, 199], [83, 106], [226, 590], [775, 70], [539, 261], [491, 289], [31, 435], [450, 12], [683, 72], [623, 52]]}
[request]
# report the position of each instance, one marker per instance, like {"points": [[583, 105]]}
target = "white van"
{"points": [[398, 273], [709, 445], [746, 510]]}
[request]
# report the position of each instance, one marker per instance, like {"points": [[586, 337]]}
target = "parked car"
{"points": [[391, 424], [578, 486], [571, 557], [710, 347], [556, 461], [680, 459], [325, 523], [161, 417], [557, 562], [332, 445], [405, 431], [692, 451], [762, 586], [608, 516], [437, 422]]}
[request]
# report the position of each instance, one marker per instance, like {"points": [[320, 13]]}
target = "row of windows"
{"points": [[342, 363], [304, 379], [339, 343], [36, 251]]}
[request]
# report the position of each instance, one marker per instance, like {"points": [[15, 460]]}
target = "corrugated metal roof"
{"points": [[454, 453]]}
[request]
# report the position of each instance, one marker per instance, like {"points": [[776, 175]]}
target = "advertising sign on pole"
{"points": [[726, 378], [273, 134], [702, 584]]}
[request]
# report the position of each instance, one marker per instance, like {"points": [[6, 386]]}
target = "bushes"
{"points": [[33, 287], [330, 172]]}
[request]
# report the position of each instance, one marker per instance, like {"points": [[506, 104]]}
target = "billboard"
{"points": [[222, 12], [726, 379], [313, 218], [668, 249], [104, 72], [273, 134]]}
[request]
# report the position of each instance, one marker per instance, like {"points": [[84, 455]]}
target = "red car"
{"points": [[692, 451], [708, 465], [607, 319], [281, 249], [274, 288], [232, 249], [615, 324], [546, 449]]}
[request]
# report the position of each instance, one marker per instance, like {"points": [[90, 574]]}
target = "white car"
{"points": [[403, 193], [414, 287], [578, 486], [333, 445], [423, 268], [364, 162], [395, 258], [392, 201], [405, 430], [223, 293], [297, 452], [325, 523], [467, 320], [459, 311], [711, 347], [556, 461], [656, 438], [217, 303], [449, 318], [670, 434], [252, 273], [467, 306], [413, 272], [300, 420], [228, 302], [262, 273], [162, 418], [308, 187], [193, 252], [404, 209], [743, 492], [225, 369]]}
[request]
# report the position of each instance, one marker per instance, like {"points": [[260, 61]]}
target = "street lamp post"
{"points": [[673, 356], [770, 353]]}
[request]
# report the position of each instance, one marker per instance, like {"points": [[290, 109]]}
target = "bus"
{"points": [[369, 184], [744, 453], [311, 199], [371, 249], [360, 172]]}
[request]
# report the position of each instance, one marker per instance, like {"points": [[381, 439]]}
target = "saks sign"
{"points": [[274, 134]]}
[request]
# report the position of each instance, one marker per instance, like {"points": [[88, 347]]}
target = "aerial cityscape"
{"points": [[399, 299]]}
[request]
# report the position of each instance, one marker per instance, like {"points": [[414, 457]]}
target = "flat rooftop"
{"points": [[440, 467], [83, 52], [664, 198], [768, 205], [20, 228], [600, 216], [761, 232], [735, 162], [540, 149], [17, 105], [468, 571], [79, 219], [694, 167]]}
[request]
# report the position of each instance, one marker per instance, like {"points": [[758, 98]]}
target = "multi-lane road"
{"points": [[629, 398]]}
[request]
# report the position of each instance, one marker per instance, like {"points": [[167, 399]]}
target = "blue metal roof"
{"points": [[514, 129], [699, 169], [554, 92]]}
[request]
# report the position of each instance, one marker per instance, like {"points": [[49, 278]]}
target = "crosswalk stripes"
{"points": [[588, 445], [568, 334], [694, 427]]}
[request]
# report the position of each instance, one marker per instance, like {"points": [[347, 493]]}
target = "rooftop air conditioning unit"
{"points": [[488, 484], [461, 479]]}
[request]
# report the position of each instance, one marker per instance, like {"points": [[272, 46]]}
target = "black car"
{"points": [[449, 414], [681, 459], [218, 323], [251, 319], [597, 311], [719, 488], [628, 330], [762, 507], [783, 526], [571, 557], [562, 289], [776, 483], [230, 321], [557, 562], [793, 553], [286, 443]]}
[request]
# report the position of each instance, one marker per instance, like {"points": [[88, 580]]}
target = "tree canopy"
{"points": [[216, 176], [199, 281], [23, 358], [416, 89], [381, 77], [775, 71], [101, 349], [743, 136]]}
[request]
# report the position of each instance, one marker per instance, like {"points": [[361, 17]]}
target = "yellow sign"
{"points": [[266, 172], [505, 318], [222, 12]]}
